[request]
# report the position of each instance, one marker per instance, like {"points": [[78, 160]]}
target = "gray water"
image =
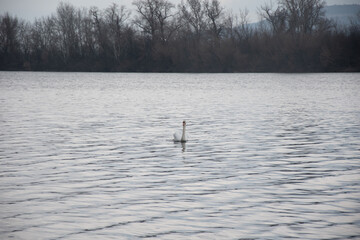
{"points": [[91, 156]]}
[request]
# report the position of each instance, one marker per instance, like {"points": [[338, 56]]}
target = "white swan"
{"points": [[181, 138]]}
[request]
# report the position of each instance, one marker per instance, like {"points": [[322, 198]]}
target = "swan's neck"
{"points": [[183, 139]]}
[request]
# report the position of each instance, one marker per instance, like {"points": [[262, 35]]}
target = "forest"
{"points": [[194, 36]]}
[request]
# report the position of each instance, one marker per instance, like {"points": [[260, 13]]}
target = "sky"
{"points": [[31, 9]]}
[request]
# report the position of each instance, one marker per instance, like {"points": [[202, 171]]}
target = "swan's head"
{"points": [[184, 123]]}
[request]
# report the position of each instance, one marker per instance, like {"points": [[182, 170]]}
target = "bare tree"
{"points": [[67, 20], [193, 12], [102, 41], [355, 23], [25, 38], [295, 16], [9, 30], [116, 18], [214, 13], [303, 15], [244, 30], [276, 18], [154, 17]]}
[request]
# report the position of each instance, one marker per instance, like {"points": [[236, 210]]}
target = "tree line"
{"points": [[195, 36]]}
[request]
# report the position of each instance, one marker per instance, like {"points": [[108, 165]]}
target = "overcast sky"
{"points": [[31, 9]]}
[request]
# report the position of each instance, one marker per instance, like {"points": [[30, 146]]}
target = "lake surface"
{"points": [[91, 156]]}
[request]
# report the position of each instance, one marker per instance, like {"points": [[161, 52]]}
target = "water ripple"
{"points": [[271, 156]]}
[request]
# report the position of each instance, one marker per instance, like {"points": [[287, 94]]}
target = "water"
{"points": [[91, 156]]}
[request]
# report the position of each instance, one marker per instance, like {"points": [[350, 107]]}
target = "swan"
{"points": [[181, 138]]}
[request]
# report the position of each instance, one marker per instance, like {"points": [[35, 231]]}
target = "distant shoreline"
{"points": [[203, 38]]}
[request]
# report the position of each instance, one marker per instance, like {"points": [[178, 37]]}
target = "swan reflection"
{"points": [[183, 145]]}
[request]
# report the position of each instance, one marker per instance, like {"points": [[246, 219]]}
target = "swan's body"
{"points": [[181, 137]]}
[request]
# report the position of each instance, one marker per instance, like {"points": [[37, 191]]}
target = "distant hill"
{"points": [[342, 13]]}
